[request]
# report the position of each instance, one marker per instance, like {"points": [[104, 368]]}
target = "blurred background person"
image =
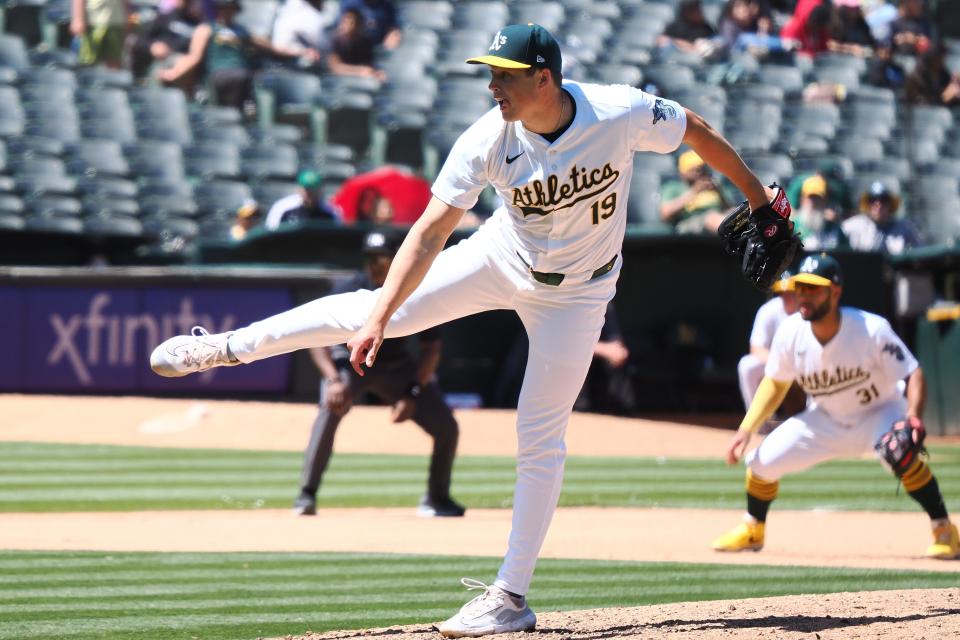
{"points": [[850, 32], [609, 384], [165, 38], [695, 203], [101, 28], [817, 219], [352, 50], [301, 27], [378, 20], [911, 31], [690, 30], [877, 228], [248, 217], [306, 204], [409, 385], [931, 82]]}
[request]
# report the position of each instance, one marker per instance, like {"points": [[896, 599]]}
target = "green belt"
{"points": [[554, 279]]}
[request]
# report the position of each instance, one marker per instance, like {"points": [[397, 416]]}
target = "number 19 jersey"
{"points": [[564, 204]]}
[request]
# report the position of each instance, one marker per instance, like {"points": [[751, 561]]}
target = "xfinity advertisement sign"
{"points": [[100, 339]]}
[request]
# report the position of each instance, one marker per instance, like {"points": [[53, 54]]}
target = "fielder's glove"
{"points": [[900, 447], [763, 239]]}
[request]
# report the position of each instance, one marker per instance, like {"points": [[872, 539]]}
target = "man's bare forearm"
{"points": [[423, 244], [721, 156]]}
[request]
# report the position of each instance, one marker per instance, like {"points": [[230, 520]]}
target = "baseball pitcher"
{"points": [[560, 156]]}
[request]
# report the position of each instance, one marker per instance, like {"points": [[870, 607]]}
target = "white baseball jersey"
{"points": [[564, 203], [769, 316], [857, 370]]}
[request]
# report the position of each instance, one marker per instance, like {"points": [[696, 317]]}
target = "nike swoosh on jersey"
{"points": [[510, 160]]}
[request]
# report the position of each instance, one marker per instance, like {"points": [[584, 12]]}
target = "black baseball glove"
{"points": [[763, 239], [900, 447]]}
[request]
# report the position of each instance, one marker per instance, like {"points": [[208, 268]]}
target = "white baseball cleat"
{"points": [[194, 353], [493, 611]]}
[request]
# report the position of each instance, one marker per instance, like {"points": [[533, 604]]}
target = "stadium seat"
{"points": [[269, 168], [162, 188], [103, 77], [40, 184], [643, 207], [107, 187], [171, 205], [54, 224], [110, 206], [54, 205], [211, 167], [13, 53], [348, 119], [426, 14], [771, 167], [859, 148], [289, 97], [168, 228], [11, 221], [275, 134], [97, 157], [397, 138], [611, 73], [221, 198], [156, 160], [550, 15], [11, 204], [656, 163], [112, 225], [790, 79], [7, 185], [269, 191]]}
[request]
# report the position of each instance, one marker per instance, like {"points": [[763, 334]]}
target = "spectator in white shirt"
{"points": [[306, 204]]}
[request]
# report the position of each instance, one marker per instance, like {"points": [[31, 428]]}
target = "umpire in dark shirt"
{"points": [[397, 379]]}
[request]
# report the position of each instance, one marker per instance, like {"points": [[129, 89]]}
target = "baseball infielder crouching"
{"points": [[560, 156], [849, 362]]}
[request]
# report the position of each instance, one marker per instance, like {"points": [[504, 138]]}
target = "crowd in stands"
{"points": [[211, 118]]}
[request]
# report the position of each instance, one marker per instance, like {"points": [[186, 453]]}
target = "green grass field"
{"points": [[54, 477], [239, 596]]}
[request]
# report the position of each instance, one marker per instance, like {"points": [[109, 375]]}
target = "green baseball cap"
{"points": [[309, 179], [522, 46], [820, 270]]}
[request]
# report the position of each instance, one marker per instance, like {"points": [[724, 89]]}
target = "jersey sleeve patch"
{"points": [[657, 124]]}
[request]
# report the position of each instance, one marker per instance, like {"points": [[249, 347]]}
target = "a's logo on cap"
{"points": [[498, 41], [809, 265]]}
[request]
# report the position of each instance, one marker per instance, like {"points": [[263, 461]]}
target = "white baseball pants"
{"points": [[750, 372], [812, 437], [481, 273]]}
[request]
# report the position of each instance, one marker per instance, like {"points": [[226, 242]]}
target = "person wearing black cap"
{"points": [[409, 386], [850, 363], [559, 154], [877, 228]]}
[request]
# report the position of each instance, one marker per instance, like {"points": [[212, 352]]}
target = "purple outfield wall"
{"points": [[100, 338]]}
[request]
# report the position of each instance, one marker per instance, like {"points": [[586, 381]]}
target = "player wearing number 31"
{"points": [[560, 156], [849, 362]]}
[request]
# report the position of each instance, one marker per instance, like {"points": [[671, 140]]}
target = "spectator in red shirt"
{"points": [[809, 28]]}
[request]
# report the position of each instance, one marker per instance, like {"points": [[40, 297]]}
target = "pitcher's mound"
{"points": [[933, 614]]}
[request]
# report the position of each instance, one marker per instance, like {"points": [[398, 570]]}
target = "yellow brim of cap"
{"points": [[782, 285], [811, 278], [497, 61]]}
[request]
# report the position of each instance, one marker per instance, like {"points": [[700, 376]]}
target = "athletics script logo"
{"points": [[543, 197]]}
